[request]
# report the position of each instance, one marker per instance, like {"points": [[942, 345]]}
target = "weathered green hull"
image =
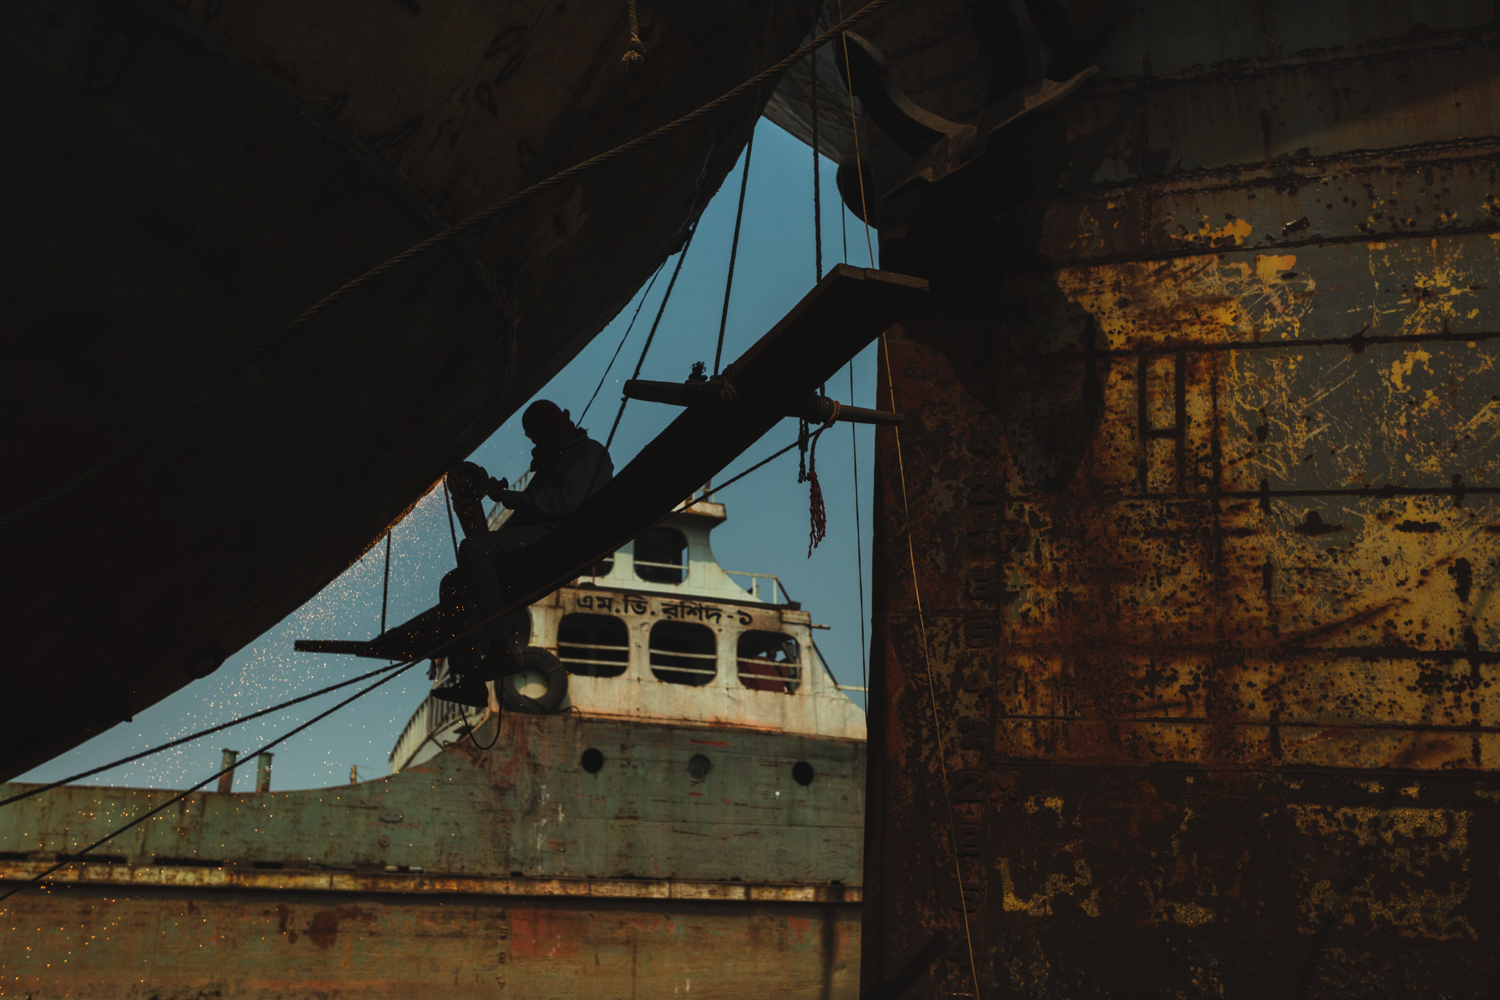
{"points": [[509, 873]]}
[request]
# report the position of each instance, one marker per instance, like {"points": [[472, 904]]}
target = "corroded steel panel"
{"points": [[1202, 458], [166, 943]]}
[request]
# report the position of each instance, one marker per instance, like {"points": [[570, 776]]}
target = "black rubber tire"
{"points": [[545, 663]]}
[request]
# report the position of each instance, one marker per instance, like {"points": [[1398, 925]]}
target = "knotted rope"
{"points": [[636, 51]]}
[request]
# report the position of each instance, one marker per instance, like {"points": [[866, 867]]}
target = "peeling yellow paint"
{"points": [[1235, 229], [1401, 368], [1039, 904]]}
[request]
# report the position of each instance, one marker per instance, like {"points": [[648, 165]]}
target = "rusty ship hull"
{"points": [[184, 179], [1185, 634]]}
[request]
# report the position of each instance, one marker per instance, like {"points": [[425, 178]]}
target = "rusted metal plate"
{"points": [[171, 943], [1202, 453]]}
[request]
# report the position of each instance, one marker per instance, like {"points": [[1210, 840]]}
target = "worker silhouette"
{"points": [[567, 468]]}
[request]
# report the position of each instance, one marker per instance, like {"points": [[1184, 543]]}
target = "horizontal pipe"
{"points": [[709, 393]]}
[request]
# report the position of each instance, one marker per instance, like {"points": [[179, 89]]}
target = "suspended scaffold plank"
{"points": [[775, 378]]}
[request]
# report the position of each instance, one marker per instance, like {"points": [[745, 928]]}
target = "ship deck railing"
{"points": [[754, 588]]}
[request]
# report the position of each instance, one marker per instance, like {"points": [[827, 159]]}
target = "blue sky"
{"points": [[767, 529]]}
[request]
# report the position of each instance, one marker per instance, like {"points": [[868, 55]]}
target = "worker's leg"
{"points": [[482, 566]]}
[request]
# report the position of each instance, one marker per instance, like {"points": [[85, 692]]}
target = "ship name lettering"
{"points": [[691, 609], [601, 602]]}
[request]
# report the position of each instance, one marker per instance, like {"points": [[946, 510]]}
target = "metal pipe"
{"points": [[702, 394], [226, 780], [263, 772]]}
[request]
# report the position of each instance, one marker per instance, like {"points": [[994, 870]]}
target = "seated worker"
{"points": [[567, 468]]}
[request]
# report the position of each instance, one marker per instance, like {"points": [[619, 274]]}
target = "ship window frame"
{"points": [[790, 682], [689, 671], [656, 570], [596, 646]]}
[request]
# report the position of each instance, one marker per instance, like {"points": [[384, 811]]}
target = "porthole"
{"points": [[803, 773], [592, 760], [699, 765]]}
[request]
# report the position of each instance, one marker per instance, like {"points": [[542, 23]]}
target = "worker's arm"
{"points": [[572, 480]]}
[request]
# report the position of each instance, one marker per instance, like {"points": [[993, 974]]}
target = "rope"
{"points": [[385, 589], [937, 728], [452, 531], [734, 479], [473, 736], [859, 555], [192, 736], [817, 515], [734, 249], [472, 226], [636, 51], [621, 345], [859, 170], [641, 361], [817, 189]]}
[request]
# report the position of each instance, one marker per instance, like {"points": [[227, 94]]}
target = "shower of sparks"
{"points": [[270, 670]]}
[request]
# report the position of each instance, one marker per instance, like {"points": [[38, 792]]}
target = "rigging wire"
{"points": [[608, 368], [763, 462], [859, 170], [817, 189], [937, 728], [385, 588], [471, 226], [192, 736], [452, 531], [859, 554], [395, 672], [734, 249], [666, 297]]}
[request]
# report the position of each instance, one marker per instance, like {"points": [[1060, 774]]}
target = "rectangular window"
{"points": [[769, 661]]}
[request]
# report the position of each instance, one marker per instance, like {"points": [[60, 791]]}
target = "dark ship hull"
{"points": [[184, 180]]}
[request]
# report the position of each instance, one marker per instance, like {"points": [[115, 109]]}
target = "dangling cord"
{"points": [[636, 51], [621, 346], [817, 190], [473, 736], [453, 532], [816, 514], [859, 555], [667, 297], [937, 729], [385, 590], [734, 249]]}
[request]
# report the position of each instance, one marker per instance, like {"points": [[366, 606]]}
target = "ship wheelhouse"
{"points": [[660, 632]]}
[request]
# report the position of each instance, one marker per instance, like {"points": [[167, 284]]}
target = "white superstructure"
{"points": [[662, 633]]}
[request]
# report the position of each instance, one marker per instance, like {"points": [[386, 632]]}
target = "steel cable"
{"points": [[469, 227], [734, 250], [193, 736], [621, 346]]}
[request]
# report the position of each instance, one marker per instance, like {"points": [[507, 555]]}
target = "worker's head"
{"points": [[545, 424]]}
